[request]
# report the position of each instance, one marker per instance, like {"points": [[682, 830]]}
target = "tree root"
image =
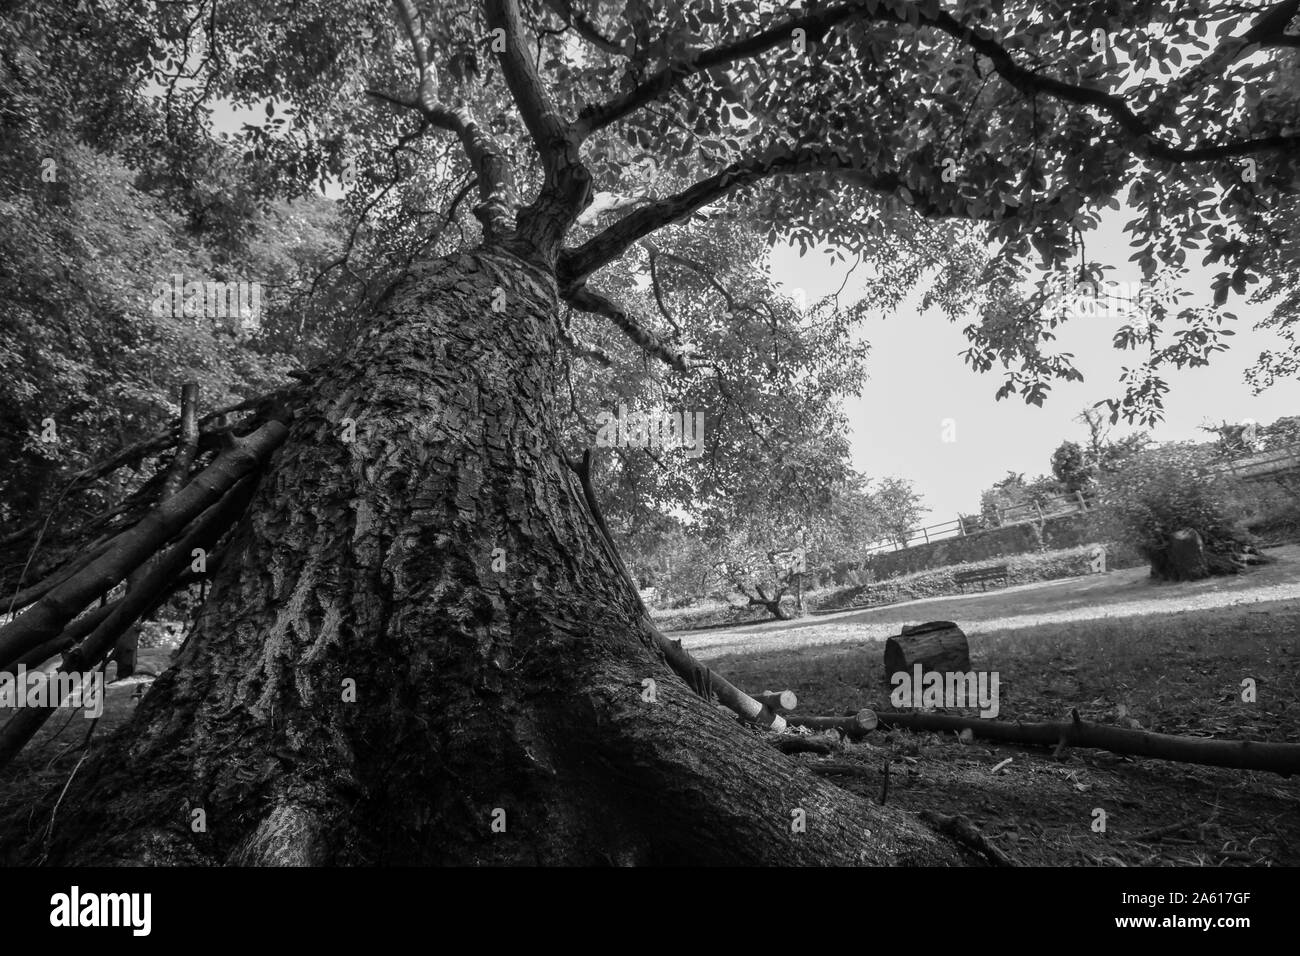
{"points": [[964, 832]]}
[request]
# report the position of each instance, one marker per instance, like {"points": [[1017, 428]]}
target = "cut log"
{"points": [[936, 646], [778, 699], [854, 726], [1238, 754]]}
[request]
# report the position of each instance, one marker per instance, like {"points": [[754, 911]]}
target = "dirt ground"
{"points": [[1128, 654]]}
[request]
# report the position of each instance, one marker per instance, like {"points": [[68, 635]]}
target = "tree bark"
{"points": [[419, 649]]}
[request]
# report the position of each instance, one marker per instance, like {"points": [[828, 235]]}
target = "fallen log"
{"points": [[854, 726], [1237, 754], [74, 632], [57, 575], [936, 646]]}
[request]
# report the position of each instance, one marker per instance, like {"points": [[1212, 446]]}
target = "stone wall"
{"points": [[1057, 533]]}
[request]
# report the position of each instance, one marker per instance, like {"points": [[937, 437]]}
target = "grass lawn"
{"points": [[1175, 673]]}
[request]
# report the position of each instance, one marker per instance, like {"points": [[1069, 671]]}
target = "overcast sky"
{"points": [[917, 379]]}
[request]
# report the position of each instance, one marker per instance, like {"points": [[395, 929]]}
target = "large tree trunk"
{"points": [[443, 563]]}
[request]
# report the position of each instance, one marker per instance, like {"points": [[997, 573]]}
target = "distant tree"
{"points": [[898, 507], [1172, 489], [1070, 467], [1281, 433], [1102, 453]]}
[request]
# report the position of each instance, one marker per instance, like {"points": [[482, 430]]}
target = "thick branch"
{"points": [[584, 25], [536, 108], [665, 80], [610, 243], [422, 49], [1139, 132], [495, 182], [590, 301], [566, 191]]}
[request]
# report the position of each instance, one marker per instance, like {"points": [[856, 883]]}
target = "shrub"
{"points": [[1168, 489]]}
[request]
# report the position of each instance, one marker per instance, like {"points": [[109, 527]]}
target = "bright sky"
{"points": [[917, 379]]}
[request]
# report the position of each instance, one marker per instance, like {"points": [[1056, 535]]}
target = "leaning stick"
{"points": [[703, 680], [698, 677]]}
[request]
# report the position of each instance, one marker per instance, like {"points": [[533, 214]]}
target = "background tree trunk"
{"points": [[419, 631]]}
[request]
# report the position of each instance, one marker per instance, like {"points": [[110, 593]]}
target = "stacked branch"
{"points": [[88, 652], [152, 557], [130, 549], [47, 551]]}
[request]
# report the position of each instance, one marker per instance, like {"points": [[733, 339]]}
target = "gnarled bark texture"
{"points": [[419, 632]]}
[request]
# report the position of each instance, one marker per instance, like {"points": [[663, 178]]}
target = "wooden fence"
{"points": [[1268, 464], [971, 524]]}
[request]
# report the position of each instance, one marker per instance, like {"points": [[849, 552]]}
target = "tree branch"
{"points": [[1268, 30], [536, 108], [604, 247], [661, 83], [590, 301], [427, 88], [585, 349], [1139, 132], [583, 24]]}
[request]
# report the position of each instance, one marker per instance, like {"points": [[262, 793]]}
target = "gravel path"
{"points": [[1118, 594]]}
